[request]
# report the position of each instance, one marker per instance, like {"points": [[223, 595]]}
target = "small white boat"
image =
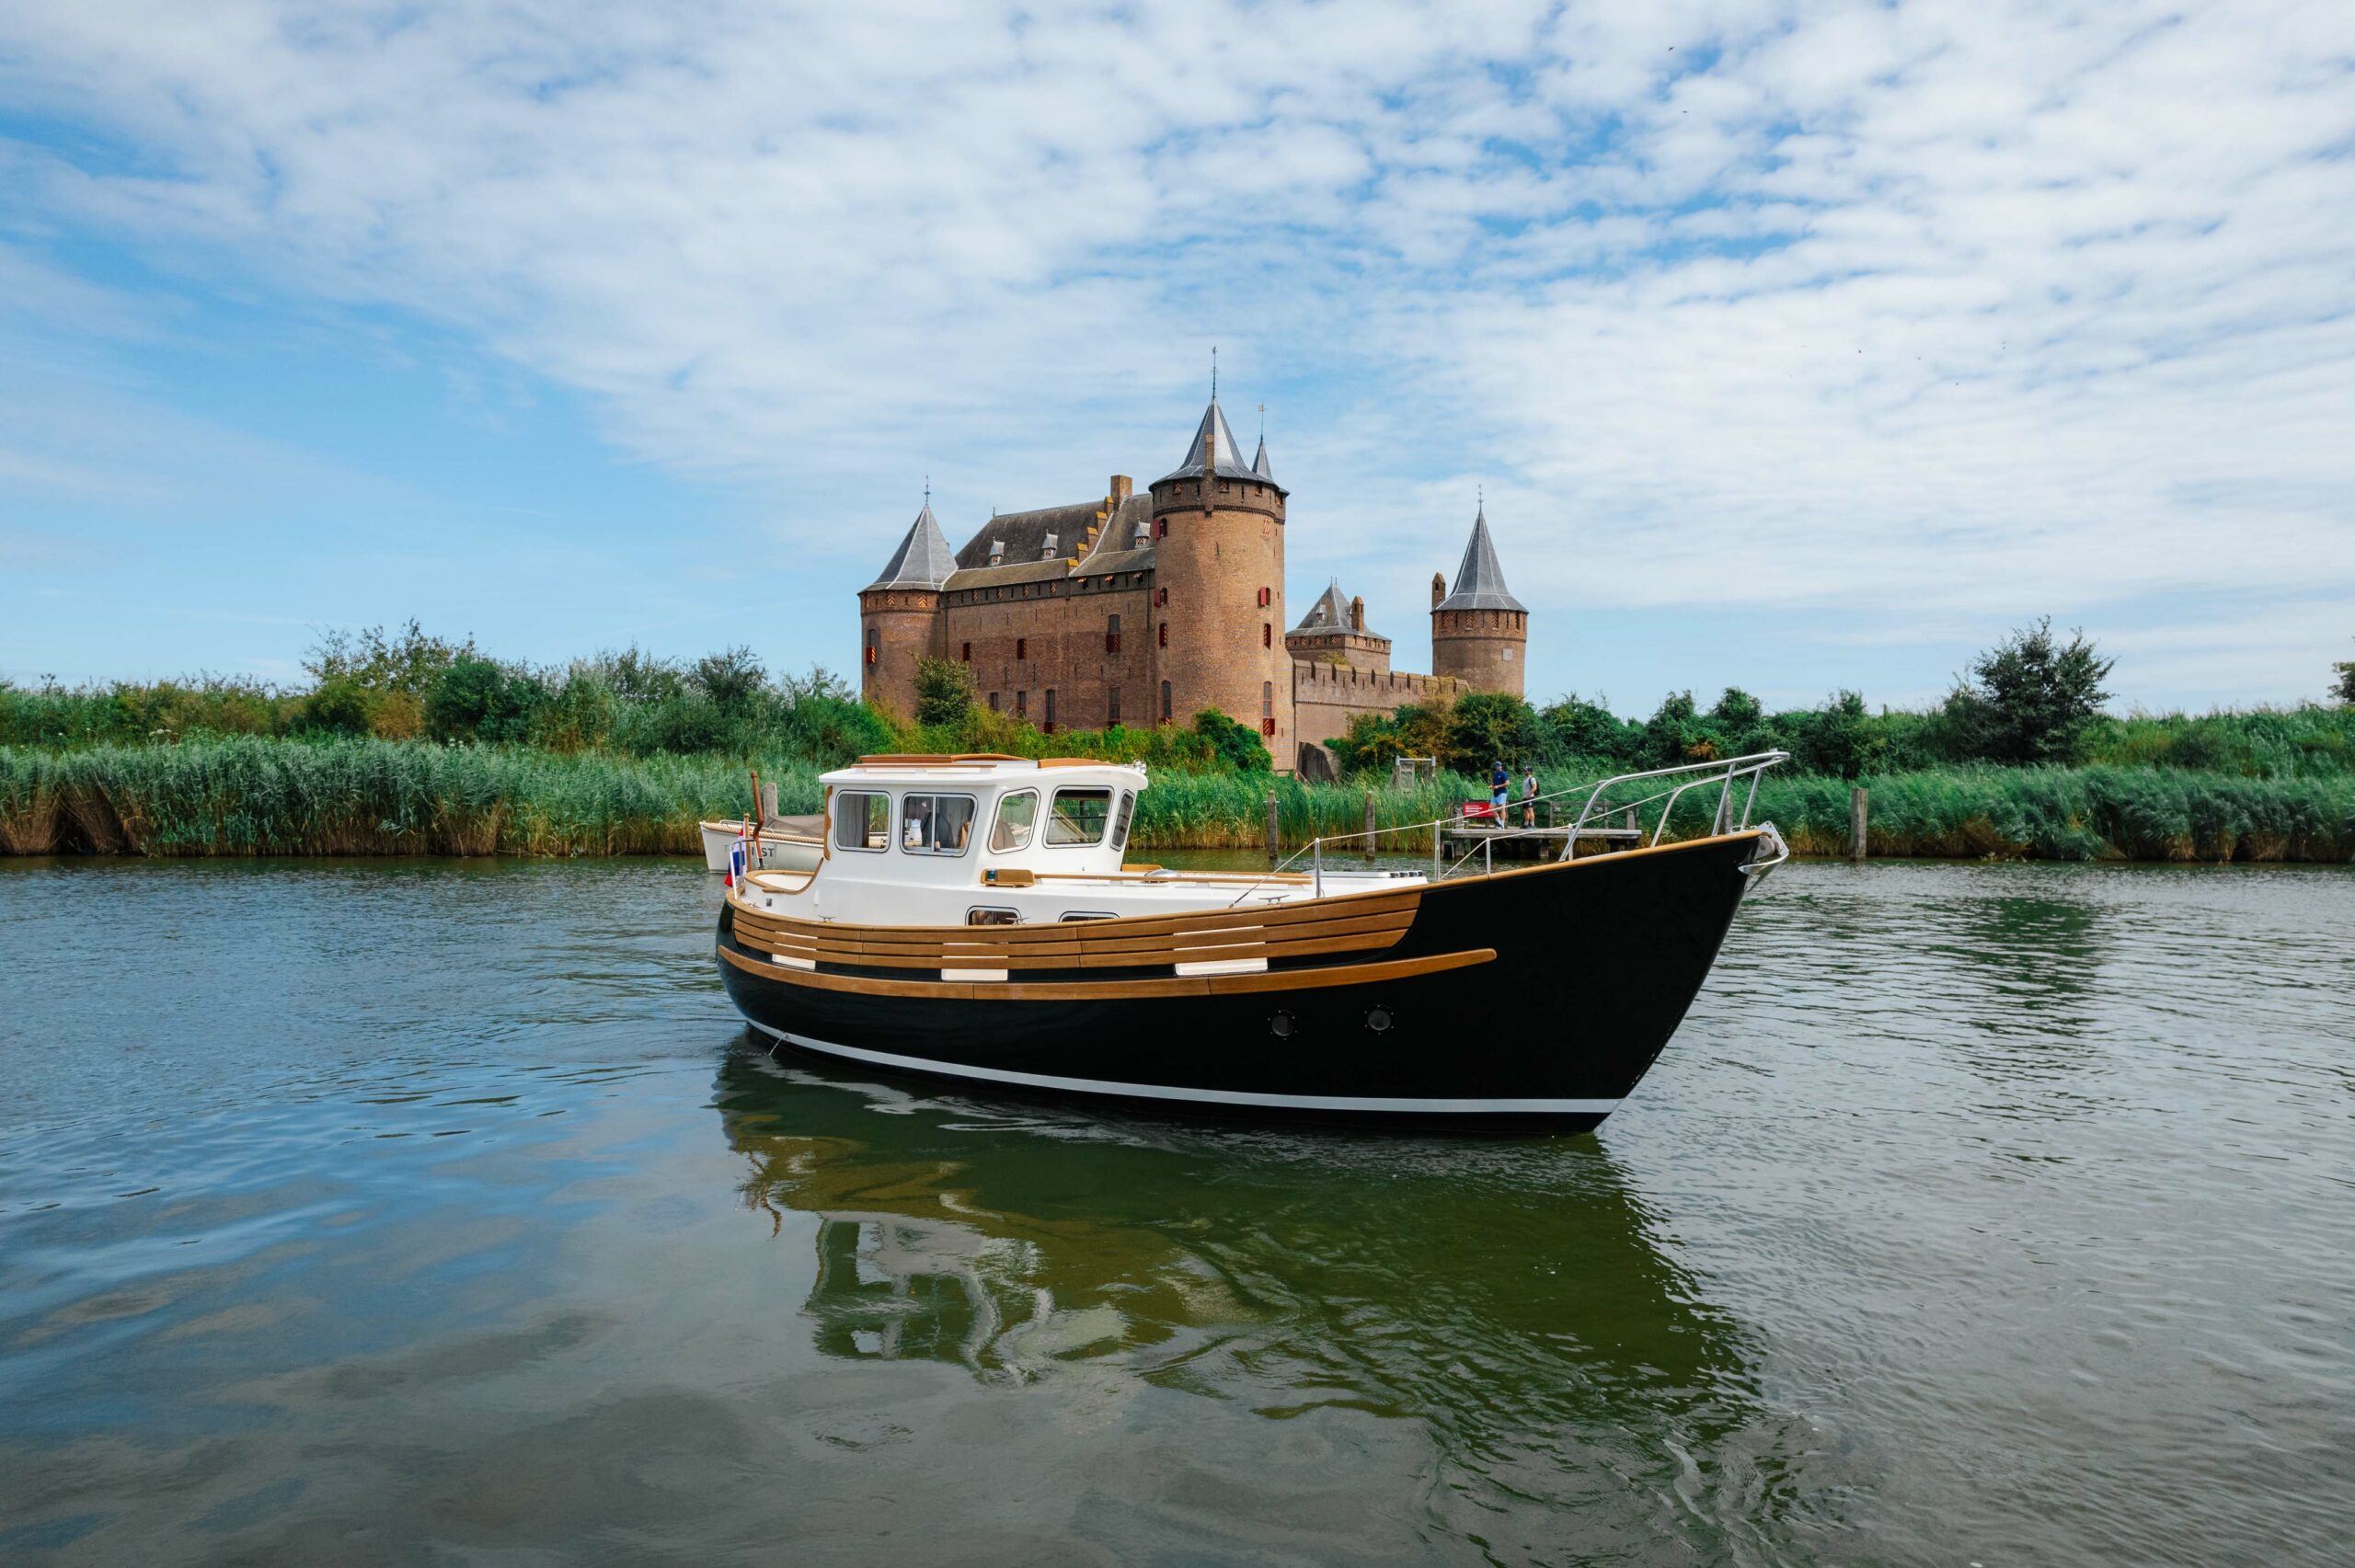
{"points": [[784, 843]]}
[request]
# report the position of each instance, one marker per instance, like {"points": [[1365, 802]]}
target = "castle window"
{"points": [[1022, 647], [1022, 705], [1161, 528], [874, 644], [1112, 706], [1051, 710], [1267, 708], [1264, 600], [1267, 635], [1161, 635], [1161, 596], [993, 702], [1111, 633], [1164, 702], [969, 653]]}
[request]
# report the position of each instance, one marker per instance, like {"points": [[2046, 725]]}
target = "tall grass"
{"points": [[248, 796], [252, 795]]}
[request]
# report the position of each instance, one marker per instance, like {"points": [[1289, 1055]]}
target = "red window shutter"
{"points": [[1267, 635], [1163, 635]]}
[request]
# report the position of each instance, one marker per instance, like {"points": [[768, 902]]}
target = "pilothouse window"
{"points": [[862, 821], [1016, 813], [936, 824], [1121, 819], [1079, 818]]}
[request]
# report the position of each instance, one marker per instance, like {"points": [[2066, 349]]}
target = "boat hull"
{"points": [[775, 852], [1532, 997]]}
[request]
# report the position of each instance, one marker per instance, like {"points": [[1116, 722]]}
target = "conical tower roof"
{"points": [[1329, 614], [1260, 463], [1229, 464], [923, 559], [1479, 581]]}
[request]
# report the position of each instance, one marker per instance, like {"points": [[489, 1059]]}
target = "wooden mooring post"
{"points": [[1275, 837], [1856, 824]]}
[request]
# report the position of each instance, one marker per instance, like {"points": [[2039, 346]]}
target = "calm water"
{"points": [[430, 1212]]}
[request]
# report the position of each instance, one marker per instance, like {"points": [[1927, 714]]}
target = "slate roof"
{"points": [[1024, 534], [1479, 581], [1260, 463], [923, 559], [1230, 464], [1331, 614]]}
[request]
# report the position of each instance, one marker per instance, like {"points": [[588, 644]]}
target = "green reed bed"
{"points": [[249, 795], [254, 795], [2094, 813]]}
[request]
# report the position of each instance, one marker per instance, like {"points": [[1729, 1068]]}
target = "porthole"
{"points": [[1282, 1025], [1378, 1019]]}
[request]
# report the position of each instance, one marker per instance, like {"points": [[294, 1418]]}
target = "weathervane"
{"points": [[1213, 373]]}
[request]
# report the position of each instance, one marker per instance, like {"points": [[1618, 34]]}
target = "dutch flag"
{"points": [[736, 860]]}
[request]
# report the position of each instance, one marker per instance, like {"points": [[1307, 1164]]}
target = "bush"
{"points": [[2031, 698], [944, 691], [475, 699], [1236, 746]]}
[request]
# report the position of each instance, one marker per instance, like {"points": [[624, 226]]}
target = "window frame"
{"points": [[899, 840], [997, 816], [1046, 836], [1121, 814], [842, 820]]}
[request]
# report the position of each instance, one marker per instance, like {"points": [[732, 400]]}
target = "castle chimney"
{"points": [[1357, 614], [1439, 588], [1122, 488]]}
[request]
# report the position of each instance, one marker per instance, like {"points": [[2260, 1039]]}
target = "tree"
{"points": [[1834, 739], [1236, 745], [2345, 692], [2030, 697], [1492, 727], [477, 700], [408, 660], [944, 691], [1591, 729], [731, 678]]}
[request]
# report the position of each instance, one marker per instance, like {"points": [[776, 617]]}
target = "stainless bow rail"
{"points": [[1600, 801]]}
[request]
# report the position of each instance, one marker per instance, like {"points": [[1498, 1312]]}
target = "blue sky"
{"points": [[1797, 346]]}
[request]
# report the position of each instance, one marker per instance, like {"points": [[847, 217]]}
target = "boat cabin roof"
{"points": [[969, 770]]}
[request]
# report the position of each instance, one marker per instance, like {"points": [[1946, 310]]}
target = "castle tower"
{"points": [[1479, 630], [1218, 525], [898, 616]]}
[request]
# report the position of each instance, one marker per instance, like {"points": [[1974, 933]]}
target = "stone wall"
{"points": [[1060, 635], [1325, 695]]}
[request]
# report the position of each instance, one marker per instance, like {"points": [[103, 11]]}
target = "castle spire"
{"points": [[1260, 462], [1480, 581], [924, 559]]}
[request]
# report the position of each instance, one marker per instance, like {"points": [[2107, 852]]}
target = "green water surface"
{"points": [[441, 1212]]}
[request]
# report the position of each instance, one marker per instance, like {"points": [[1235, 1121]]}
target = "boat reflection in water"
{"points": [[1508, 1299]]}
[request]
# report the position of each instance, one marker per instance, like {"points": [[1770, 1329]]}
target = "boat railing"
{"points": [[1667, 786]]}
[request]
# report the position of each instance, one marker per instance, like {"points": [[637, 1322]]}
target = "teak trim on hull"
{"points": [[1113, 990]]}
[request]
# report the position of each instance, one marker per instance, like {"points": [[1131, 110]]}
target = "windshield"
{"points": [[1080, 816], [1016, 814]]}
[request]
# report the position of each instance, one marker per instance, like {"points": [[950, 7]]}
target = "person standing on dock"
{"points": [[1499, 791], [1528, 796]]}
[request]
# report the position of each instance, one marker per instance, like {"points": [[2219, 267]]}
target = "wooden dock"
{"points": [[1528, 843]]}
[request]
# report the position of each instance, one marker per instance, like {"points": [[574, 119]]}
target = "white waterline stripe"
{"points": [[1206, 1096]]}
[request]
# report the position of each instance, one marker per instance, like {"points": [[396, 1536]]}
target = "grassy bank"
{"points": [[251, 795]]}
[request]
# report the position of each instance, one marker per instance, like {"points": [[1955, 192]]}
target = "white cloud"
{"points": [[1960, 311]]}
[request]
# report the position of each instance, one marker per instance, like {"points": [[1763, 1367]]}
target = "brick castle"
{"points": [[1145, 609]]}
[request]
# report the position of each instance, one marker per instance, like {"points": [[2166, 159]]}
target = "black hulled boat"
{"points": [[972, 917]]}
